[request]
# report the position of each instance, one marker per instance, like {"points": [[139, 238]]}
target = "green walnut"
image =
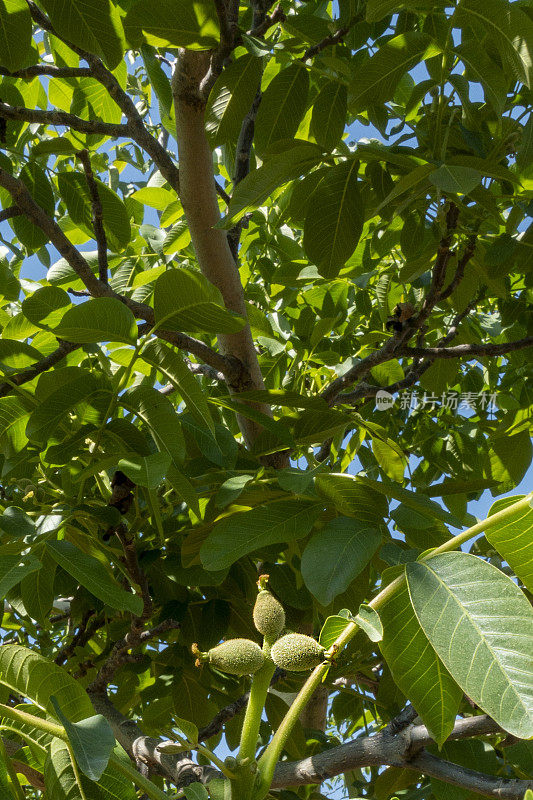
{"points": [[269, 616], [296, 652], [236, 656]]}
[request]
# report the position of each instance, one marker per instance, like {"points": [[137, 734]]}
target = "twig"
{"points": [[328, 41], [262, 27], [230, 711], [460, 270], [63, 119], [231, 367], [19, 378], [120, 654], [84, 633], [48, 69], [97, 215], [8, 213], [467, 350]]}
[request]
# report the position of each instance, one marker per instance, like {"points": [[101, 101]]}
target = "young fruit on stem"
{"points": [[296, 652], [236, 656], [269, 616]]}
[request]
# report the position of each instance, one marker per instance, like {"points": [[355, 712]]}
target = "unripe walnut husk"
{"points": [[236, 657], [269, 616], [296, 652]]}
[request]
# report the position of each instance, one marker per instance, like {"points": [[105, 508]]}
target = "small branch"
{"points": [[466, 350], [19, 378], [50, 70], [84, 633], [120, 654], [9, 213], [262, 27], [328, 41], [179, 768], [469, 779], [22, 198], [460, 270], [97, 215], [439, 270], [227, 18], [63, 119], [230, 711]]}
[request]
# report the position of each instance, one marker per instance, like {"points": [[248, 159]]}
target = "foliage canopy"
{"points": [[219, 305]]}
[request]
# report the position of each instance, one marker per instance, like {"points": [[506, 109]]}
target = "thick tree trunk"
{"points": [[199, 200]]}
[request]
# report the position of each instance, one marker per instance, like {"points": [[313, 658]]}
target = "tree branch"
{"points": [[97, 215], [202, 214], [9, 213], [65, 120], [486, 785], [466, 350], [230, 711], [402, 749], [179, 769], [48, 69], [231, 367], [46, 363]]}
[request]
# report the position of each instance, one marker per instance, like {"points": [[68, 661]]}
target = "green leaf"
{"points": [[37, 590], [186, 728], [418, 502], [9, 283], [82, 388], [481, 626], [334, 219], [185, 301], [259, 184], [100, 320], [33, 676], [146, 471], [92, 574], [239, 534], [455, 180], [93, 25], [15, 522], [507, 26], [75, 194], [282, 107], [483, 69], [231, 98], [392, 464], [231, 489], [196, 791], [169, 362], [369, 621], [15, 34], [193, 25], [336, 555], [332, 628], [63, 782], [513, 539], [38, 185], [374, 81], [13, 568], [352, 498], [13, 420], [524, 153], [510, 457], [46, 306], [158, 413], [416, 668], [159, 81], [91, 739], [329, 114]]}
